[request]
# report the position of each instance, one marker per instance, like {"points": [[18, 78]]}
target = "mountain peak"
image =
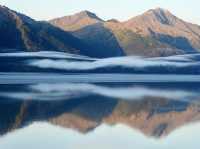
{"points": [[158, 10], [113, 20], [4, 8], [6, 12], [89, 14], [76, 21], [86, 12], [161, 15]]}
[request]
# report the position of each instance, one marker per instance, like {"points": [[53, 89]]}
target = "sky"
{"points": [[106, 9]]}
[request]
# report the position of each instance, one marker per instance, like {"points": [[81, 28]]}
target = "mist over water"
{"points": [[129, 62], [69, 62]]}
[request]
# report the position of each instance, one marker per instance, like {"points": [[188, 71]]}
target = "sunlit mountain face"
{"points": [[157, 32]]}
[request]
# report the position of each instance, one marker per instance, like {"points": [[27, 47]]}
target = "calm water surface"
{"points": [[94, 115]]}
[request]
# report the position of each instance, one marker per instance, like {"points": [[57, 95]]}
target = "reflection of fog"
{"points": [[68, 90]]}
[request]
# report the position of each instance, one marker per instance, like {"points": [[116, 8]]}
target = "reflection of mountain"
{"points": [[152, 115], [152, 121], [142, 115]]}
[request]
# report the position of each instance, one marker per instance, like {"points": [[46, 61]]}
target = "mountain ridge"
{"points": [[129, 39], [21, 32], [154, 33]]}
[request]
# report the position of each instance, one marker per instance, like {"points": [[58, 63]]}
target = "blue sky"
{"points": [[107, 9]]}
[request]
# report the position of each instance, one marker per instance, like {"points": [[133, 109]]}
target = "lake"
{"points": [[95, 111]]}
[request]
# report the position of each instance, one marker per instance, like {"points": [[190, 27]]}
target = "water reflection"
{"points": [[148, 111]]}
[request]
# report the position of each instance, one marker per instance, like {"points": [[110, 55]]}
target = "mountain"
{"points": [[21, 33], [101, 39], [90, 28], [157, 32], [76, 21], [113, 35], [165, 27], [135, 44]]}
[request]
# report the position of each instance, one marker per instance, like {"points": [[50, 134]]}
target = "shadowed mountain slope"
{"points": [[19, 32]]}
